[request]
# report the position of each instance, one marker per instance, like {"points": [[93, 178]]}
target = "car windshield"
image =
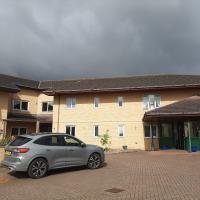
{"points": [[20, 141]]}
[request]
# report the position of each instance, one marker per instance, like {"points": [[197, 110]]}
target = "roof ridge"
{"points": [[116, 77]]}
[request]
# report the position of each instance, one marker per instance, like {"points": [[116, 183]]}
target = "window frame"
{"points": [[71, 126], [151, 125], [98, 102], [123, 128], [120, 99], [18, 130], [48, 103], [94, 131], [20, 104], [71, 102], [148, 96]]}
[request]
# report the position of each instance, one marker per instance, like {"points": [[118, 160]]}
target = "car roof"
{"points": [[38, 135]]}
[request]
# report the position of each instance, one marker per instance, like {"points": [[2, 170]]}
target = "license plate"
{"points": [[7, 153]]}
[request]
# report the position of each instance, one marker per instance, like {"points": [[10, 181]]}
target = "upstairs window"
{"points": [[120, 101], [96, 102], [20, 105], [71, 102], [151, 101], [47, 106]]}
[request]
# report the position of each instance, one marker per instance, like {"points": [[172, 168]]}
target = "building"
{"points": [[138, 112]]}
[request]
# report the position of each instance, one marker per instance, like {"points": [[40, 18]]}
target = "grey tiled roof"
{"points": [[12, 83], [102, 84], [188, 106], [122, 83]]}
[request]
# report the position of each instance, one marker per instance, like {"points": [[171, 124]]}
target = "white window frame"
{"points": [[147, 97], [95, 129], [18, 132], [98, 102], [20, 101], [118, 130], [71, 100], [150, 125], [120, 99], [71, 126], [48, 102]]}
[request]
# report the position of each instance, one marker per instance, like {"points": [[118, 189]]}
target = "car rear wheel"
{"points": [[94, 161], [38, 168]]}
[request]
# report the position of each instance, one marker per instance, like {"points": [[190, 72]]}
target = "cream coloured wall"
{"points": [[3, 110], [43, 98], [27, 95], [108, 116]]}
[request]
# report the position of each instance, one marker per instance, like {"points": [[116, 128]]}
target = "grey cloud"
{"points": [[48, 39]]}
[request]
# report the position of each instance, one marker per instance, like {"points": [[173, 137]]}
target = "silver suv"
{"points": [[38, 153]]}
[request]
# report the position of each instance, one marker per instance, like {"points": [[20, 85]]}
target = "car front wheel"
{"points": [[38, 168], [94, 161]]}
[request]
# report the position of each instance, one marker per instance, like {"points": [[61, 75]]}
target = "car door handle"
{"points": [[70, 150], [48, 150]]}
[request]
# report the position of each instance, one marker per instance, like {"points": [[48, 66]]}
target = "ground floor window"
{"points": [[71, 130], [96, 130], [150, 130], [166, 130], [18, 131]]}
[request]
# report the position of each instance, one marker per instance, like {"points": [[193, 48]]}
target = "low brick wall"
{"points": [[1, 153]]}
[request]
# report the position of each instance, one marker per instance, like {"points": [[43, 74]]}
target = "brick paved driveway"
{"points": [[142, 175]]}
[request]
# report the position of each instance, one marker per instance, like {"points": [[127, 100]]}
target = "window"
{"points": [[20, 105], [166, 130], [96, 131], [120, 101], [150, 129], [96, 102], [151, 101], [121, 130], [70, 130], [20, 141], [69, 141], [71, 102], [54, 140], [47, 106], [18, 131]]}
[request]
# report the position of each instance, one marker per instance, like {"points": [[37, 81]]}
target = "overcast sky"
{"points": [[60, 39]]}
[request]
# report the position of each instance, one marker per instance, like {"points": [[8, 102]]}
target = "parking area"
{"points": [[136, 175]]}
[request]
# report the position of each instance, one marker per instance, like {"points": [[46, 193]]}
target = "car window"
{"points": [[20, 141], [54, 140], [70, 141]]}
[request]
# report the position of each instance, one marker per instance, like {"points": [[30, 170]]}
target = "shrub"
{"points": [[5, 140], [105, 141]]}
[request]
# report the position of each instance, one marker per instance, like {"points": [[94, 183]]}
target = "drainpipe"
{"points": [[58, 114], [189, 137]]}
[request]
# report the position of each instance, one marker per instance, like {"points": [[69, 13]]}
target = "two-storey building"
{"points": [[138, 112]]}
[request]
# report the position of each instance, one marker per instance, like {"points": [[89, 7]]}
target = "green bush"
{"points": [[5, 140], [105, 140]]}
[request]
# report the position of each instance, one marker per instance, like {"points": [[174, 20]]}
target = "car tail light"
{"points": [[21, 150]]}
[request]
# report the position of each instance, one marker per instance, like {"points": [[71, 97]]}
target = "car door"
{"points": [[54, 150], [76, 153]]}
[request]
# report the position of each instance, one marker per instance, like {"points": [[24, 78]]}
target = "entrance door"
{"points": [[180, 136]]}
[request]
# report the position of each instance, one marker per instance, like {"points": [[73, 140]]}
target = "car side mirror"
{"points": [[83, 144]]}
